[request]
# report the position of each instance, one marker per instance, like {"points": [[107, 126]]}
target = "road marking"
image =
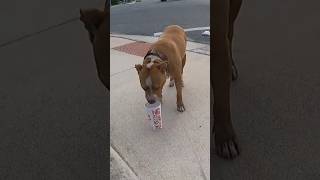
{"points": [[157, 34], [197, 29]]}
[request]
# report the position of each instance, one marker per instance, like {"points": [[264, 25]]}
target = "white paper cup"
{"points": [[154, 114]]}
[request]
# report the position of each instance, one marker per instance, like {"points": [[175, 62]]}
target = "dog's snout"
{"points": [[151, 101], [151, 98]]}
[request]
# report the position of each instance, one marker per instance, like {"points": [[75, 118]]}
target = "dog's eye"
{"points": [[145, 88]]}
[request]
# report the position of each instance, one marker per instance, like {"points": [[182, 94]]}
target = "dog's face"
{"points": [[152, 75]]}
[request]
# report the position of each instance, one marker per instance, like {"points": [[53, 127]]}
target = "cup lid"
{"points": [[156, 104]]}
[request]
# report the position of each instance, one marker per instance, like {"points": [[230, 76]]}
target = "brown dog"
{"points": [[165, 58], [95, 22], [224, 15]]}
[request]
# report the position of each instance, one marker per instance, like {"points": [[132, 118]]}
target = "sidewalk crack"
{"points": [[37, 32]]}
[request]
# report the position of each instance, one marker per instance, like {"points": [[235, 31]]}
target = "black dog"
{"points": [[224, 70], [96, 22]]}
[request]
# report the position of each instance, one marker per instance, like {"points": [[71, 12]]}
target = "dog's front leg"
{"points": [[234, 11], [225, 138]]}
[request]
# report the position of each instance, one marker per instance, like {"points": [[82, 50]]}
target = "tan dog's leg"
{"points": [[183, 63], [178, 81], [171, 83]]}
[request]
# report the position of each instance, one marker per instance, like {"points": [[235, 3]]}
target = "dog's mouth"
{"points": [[152, 101]]}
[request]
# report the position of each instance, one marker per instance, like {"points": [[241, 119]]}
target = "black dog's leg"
{"points": [[225, 138], [234, 11]]}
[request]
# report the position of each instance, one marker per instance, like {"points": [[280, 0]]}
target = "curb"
{"points": [[119, 169], [194, 47]]}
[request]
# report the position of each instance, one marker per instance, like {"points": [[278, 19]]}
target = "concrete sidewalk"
{"points": [[181, 149]]}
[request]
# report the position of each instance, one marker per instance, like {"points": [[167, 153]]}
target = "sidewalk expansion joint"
{"points": [[131, 39], [124, 160], [197, 52], [37, 32], [114, 74]]}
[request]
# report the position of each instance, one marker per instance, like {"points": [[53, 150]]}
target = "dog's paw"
{"points": [[226, 148], [171, 83], [181, 108]]}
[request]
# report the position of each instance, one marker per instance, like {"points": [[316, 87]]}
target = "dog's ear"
{"points": [[138, 67], [162, 67]]}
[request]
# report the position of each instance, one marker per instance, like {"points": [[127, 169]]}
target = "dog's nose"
{"points": [[151, 101]]}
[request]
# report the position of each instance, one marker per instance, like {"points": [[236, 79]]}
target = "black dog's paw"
{"points": [[226, 145], [228, 149], [180, 107]]}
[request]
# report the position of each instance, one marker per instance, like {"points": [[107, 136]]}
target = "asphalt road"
{"points": [[276, 101], [150, 16], [53, 109]]}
